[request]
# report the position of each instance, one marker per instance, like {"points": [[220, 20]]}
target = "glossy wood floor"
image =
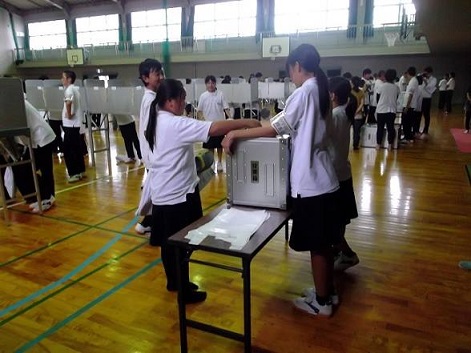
{"points": [[78, 279]]}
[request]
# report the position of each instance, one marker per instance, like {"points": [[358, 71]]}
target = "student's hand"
{"points": [[228, 142]]}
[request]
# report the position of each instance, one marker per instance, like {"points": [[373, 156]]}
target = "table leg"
{"points": [[181, 303], [247, 306]]}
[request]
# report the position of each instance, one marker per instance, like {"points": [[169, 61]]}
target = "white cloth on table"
{"points": [[232, 225]]}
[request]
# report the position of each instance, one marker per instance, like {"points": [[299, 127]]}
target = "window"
{"points": [[47, 35], [226, 19], [292, 16], [390, 11], [97, 30], [150, 26]]}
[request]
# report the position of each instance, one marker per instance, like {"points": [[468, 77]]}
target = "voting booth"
{"points": [[13, 124]]}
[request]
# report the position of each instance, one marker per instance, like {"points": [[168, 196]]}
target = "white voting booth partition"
{"points": [[13, 124]]}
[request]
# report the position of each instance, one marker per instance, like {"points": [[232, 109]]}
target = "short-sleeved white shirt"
{"points": [[212, 104], [442, 85], [388, 93], [312, 172], [377, 87], [429, 87], [172, 169], [72, 94], [147, 99], [339, 142], [412, 90], [41, 133], [450, 85]]}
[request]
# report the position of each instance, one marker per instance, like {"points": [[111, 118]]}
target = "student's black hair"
{"points": [[390, 75], [366, 72], [70, 74], [428, 69], [347, 75], [412, 71], [356, 83], [308, 58], [148, 66], [168, 89], [340, 86], [210, 78]]}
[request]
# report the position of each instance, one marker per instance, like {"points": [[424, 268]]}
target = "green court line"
{"points": [[71, 283], [87, 307]]}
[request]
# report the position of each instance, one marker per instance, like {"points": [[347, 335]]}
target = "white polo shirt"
{"points": [[212, 104], [412, 90], [312, 172], [388, 94], [72, 94], [339, 142], [430, 85], [172, 170], [147, 99], [41, 133]]}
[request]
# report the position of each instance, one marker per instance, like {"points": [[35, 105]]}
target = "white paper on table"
{"points": [[232, 225]]}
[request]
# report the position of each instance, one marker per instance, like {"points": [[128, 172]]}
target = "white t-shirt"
{"points": [[312, 172], [402, 83], [377, 87], [172, 170], [72, 94], [430, 85], [212, 104], [41, 133], [388, 94], [339, 143], [412, 90], [450, 85], [442, 85], [147, 99]]}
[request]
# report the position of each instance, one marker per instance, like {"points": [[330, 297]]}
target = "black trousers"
{"points": [[357, 124], [166, 221], [56, 126], [416, 124], [449, 99], [467, 119], [388, 120], [371, 115], [23, 175], [441, 100], [73, 153], [130, 138], [426, 106], [408, 123]]}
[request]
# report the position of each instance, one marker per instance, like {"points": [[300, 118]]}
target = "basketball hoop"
{"points": [[391, 38]]}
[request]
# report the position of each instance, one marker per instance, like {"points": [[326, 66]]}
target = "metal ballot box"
{"points": [[258, 173]]}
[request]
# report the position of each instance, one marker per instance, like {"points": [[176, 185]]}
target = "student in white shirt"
{"points": [[43, 144], [442, 91], [430, 85], [450, 88], [386, 109], [212, 106], [344, 107], [72, 115], [151, 74], [410, 104], [172, 177], [314, 183], [374, 98]]}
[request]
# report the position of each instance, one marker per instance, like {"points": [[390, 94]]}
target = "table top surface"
{"points": [[266, 231]]}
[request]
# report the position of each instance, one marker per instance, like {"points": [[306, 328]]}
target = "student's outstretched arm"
{"points": [[222, 127], [232, 136]]}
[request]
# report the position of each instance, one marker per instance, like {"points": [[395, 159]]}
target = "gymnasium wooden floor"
{"points": [[78, 278]]}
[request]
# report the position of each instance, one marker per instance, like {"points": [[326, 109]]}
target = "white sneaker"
{"points": [[141, 229], [344, 262], [311, 306], [74, 178], [311, 293], [33, 205], [46, 204], [219, 167], [128, 160]]}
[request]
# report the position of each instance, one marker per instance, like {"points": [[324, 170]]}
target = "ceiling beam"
{"points": [[11, 8], [61, 5], [121, 4]]}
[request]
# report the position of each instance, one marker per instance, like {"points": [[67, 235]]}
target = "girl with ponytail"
{"points": [[314, 184]]}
